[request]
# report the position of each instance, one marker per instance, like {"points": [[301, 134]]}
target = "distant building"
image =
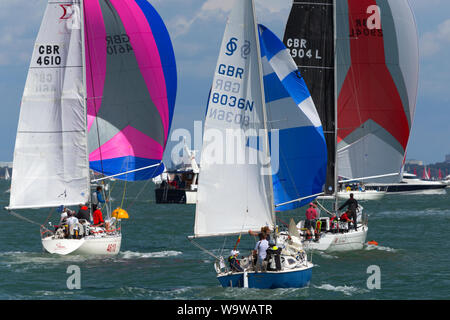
{"points": [[447, 158], [413, 162]]}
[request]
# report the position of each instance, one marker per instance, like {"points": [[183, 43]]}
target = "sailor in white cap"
{"points": [[234, 262]]}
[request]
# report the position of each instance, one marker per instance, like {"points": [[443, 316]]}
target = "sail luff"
{"points": [[83, 60], [336, 116], [264, 113]]}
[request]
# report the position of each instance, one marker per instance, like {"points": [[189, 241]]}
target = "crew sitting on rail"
{"points": [[234, 262]]}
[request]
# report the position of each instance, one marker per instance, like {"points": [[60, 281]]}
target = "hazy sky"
{"points": [[196, 28]]}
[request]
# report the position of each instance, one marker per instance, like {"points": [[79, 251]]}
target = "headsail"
{"points": [[131, 86], [377, 79], [233, 194], [302, 150], [50, 158]]}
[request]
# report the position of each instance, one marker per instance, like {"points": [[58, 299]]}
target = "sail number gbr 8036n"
{"points": [[226, 92]]}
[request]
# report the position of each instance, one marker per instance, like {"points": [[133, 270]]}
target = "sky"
{"points": [[196, 28]]}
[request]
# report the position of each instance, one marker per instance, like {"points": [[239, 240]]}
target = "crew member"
{"points": [[351, 205], [234, 262]]}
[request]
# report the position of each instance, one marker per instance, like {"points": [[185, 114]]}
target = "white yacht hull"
{"points": [[90, 245], [351, 240], [362, 195]]}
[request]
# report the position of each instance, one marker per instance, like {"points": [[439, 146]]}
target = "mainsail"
{"points": [[233, 194], [131, 87], [50, 167], [302, 150], [374, 50]]}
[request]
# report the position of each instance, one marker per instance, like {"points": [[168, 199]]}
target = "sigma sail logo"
{"points": [[67, 11], [367, 26], [70, 16]]}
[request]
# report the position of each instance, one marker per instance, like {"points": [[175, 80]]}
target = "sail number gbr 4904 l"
{"points": [[226, 92]]}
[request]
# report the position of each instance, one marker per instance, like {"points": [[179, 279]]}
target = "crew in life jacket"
{"points": [[273, 257], [345, 218], [234, 262]]}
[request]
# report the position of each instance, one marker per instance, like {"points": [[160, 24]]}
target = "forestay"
{"points": [[234, 191], [50, 158], [300, 171]]}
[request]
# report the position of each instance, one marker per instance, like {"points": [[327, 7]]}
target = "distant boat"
{"points": [[411, 184], [180, 185], [447, 181], [100, 95], [7, 176]]}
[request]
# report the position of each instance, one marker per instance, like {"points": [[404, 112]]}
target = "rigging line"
{"points": [[123, 195], [49, 215], [15, 214], [203, 249], [140, 192], [324, 209], [122, 173]]}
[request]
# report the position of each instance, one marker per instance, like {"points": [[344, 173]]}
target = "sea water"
{"points": [[157, 261]]}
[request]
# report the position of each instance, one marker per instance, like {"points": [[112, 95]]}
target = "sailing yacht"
{"points": [[99, 95], [240, 186], [411, 184], [360, 60], [7, 175]]}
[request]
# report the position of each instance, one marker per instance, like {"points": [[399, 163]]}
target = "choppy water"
{"points": [[158, 262]]}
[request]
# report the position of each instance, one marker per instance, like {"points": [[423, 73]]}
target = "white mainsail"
{"points": [[235, 195], [50, 165]]}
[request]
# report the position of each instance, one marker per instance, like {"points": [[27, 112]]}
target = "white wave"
{"points": [[370, 247], [143, 255], [348, 291], [21, 257], [326, 255]]}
